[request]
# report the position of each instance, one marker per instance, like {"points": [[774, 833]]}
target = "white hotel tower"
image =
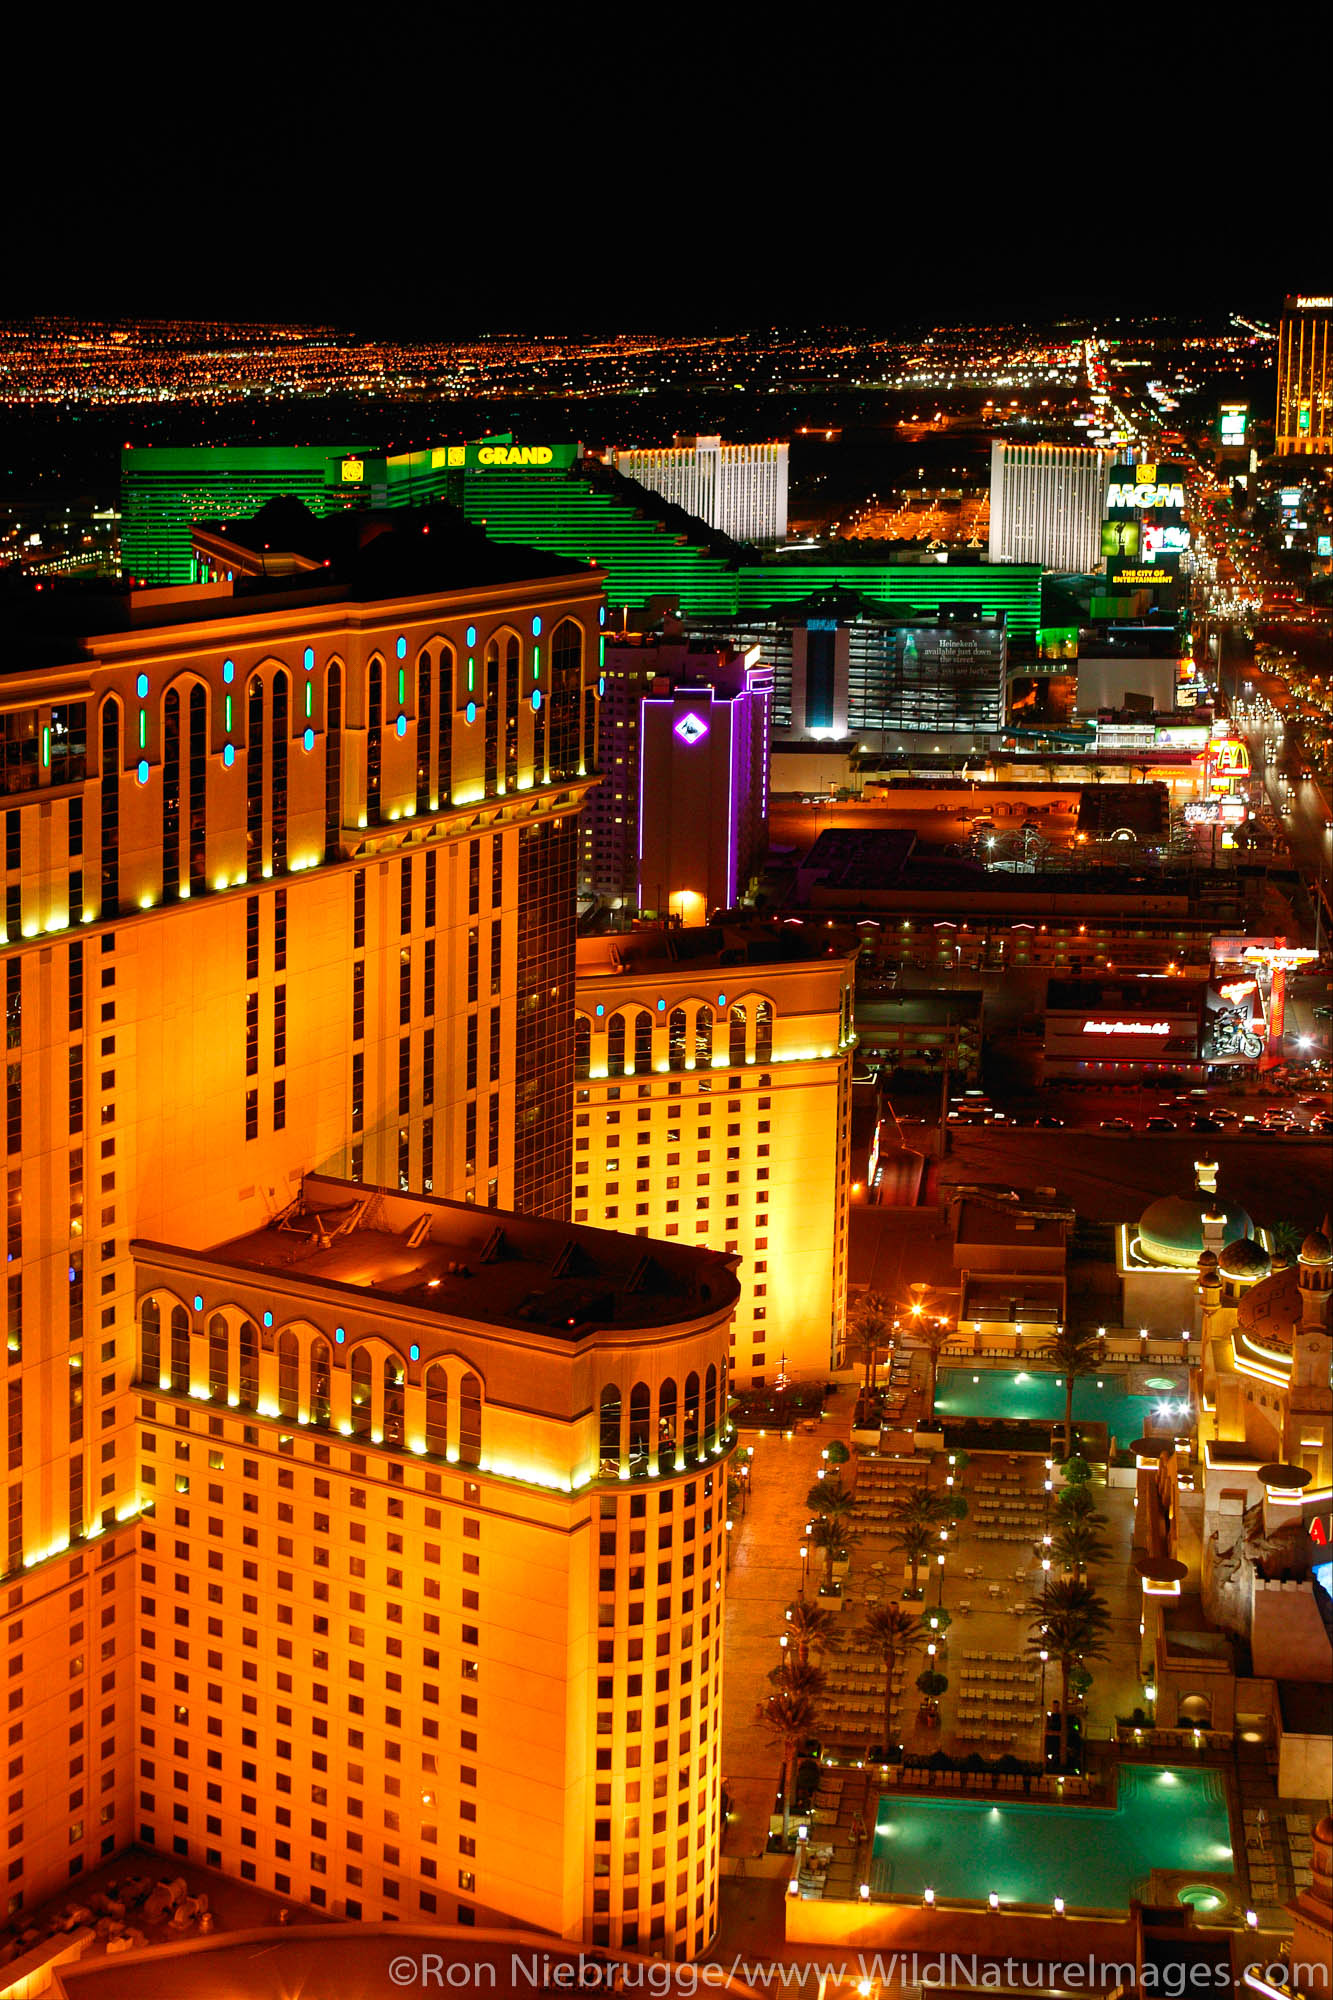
{"points": [[1046, 504], [740, 489]]}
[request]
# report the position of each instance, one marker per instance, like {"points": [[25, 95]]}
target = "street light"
{"points": [[805, 1553], [940, 1563]]}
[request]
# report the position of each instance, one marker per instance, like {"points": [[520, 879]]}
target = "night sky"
{"points": [[415, 180]]}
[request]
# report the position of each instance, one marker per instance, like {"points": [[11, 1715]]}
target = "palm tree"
{"points": [[869, 1325], [921, 1506], [1074, 1503], [788, 1718], [1079, 1541], [831, 1535], [934, 1336], [833, 1504], [810, 1625], [798, 1677], [1070, 1623], [913, 1540], [1076, 1353], [892, 1633]]}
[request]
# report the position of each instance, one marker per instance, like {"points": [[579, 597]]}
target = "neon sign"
{"points": [[1126, 1027], [515, 454], [1278, 958], [1238, 989], [691, 728], [1145, 492]]}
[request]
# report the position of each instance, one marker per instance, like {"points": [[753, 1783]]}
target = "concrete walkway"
{"points": [[765, 1577]]}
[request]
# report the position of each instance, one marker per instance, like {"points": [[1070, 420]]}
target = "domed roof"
{"points": [[1246, 1258], [1171, 1228], [1316, 1248], [1208, 1261]]}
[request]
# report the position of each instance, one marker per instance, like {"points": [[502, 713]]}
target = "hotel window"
{"points": [[333, 760], [444, 726], [320, 1382], [109, 799], [404, 1076], [428, 1067], [247, 1384], [279, 1026], [405, 896], [254, 781], [512, 662], [280, 930], [171, 795], [218, 1351], [491, 707], [289, 1376], [198, 819], [252, 1034], [358, 999], [473, 962], [473, 877], [424, 691], [358, 1090], [180, 1350], [374, 739], [703, 1037]]}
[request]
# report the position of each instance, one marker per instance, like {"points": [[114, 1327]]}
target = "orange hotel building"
{"points": [[363, 1536]]}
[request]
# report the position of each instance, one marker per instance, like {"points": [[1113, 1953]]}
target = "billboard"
{"points": [[1164, 539], [1142, 489], [1120, 538], [1233, 1019], [1232, 421]]}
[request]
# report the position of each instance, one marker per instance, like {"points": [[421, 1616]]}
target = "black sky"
{"points": [[457, 173]]}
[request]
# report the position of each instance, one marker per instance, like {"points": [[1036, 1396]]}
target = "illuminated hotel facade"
{"points": [[1305, 378], [679, 821], [739, 489], [290, 887], [1046, 504], [712, 1104]]}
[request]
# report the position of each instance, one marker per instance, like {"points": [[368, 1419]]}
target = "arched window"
{"points": [[110, 802], [736, 1040], [763, 1032], [666, 1425], [282, 731], [588, 756], [247, 1381], [180, 1350], [608, 1444], [171, 795], [710, 1405], [690, 1429], [703, 1037], [393, 1399], [321, 1389], [254, 781], [289, 1375], [615, 1046], [437, 1411], [333, 761], [564, 702], [425, 689], [150, 1343], [676, 1039], [539, 739], [198, 789], [582, 1046], [469, 1420], [643, 1042], [512, 664], [640, 1422], [219, 1347], [362, 1393], [491, 701], [374, 739], [444, 727]]}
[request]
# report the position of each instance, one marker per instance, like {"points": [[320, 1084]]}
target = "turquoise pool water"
{"points": [[1034, 1394], [1164, 1818]]}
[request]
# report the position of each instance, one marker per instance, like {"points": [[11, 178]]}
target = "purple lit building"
{"points": [[678, 825]]}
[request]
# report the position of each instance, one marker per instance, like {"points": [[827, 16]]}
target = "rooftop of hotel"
{"points": [[462, 1262], [348, 557], [653, 949], [982, 1222]]}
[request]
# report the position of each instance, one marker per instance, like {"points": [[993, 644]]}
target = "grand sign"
{"points": [[1126, 1027], [1146, 491]]}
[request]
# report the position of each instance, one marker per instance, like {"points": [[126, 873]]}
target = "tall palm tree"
{"points": [[1079, 1541], [920, 1505], [810, 1625], [830, 1535], [869, 1326], [1075, 1351], [913, 1540], [788, 1719], [1070, 1623], [798, 1677], [934, 1336], [892, 1633], [831, 1499]]}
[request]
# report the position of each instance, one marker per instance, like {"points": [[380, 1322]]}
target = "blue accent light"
{"points": [[142, 773], [198, 1303], [229, 754], [309, 739], [536, 628], [536, 699], [414, 1352], [268, 1319], [308, 658], [600, 1010], [229, 670], [401, 725], [471, 635], [471, 711], [601, 684], [141, 686], [601, 614], [661, 1006], [339, 1334], [401, 647], [721, 999]]}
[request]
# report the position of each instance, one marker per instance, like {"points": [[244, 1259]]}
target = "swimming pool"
{"points": [[1096, 1859], [1038, 1395]]}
